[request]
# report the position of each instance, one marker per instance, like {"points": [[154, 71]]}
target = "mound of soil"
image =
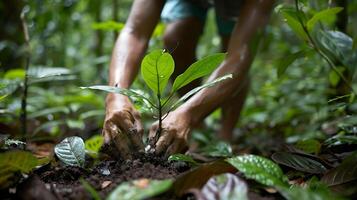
{"points": [[65, 182]]}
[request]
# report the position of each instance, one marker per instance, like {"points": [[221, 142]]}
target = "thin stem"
{"points": [[322, 54], [23, 116]]}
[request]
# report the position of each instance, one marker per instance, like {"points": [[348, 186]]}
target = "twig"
{"points": [[23, 116]]}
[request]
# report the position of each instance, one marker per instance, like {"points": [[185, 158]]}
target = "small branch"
{"points": [[23, 116], [316, 48]]}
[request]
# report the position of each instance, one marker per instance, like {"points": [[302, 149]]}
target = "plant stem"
{"points": [[322, 54], [23, 116]]}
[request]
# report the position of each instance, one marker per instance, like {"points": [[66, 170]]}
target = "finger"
{"points": [[178, 146], [136, 133], [163, 143], [119, 139], [124, 120]]}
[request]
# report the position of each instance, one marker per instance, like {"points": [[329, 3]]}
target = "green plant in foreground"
{"points": [[156, 70]]}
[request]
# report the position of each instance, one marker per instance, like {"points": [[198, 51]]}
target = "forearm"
{"points": [[240, 53], [132, 43], [126, 57]]}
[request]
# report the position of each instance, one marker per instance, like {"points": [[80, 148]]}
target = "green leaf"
{"points": [[326, 16], [183, 158], [108, 26], [71, 151], [197, 70], [48, 111], [225, 186], [299, 162], [22, 161], [344, 173], [295, 25], [284, 63], [217, 149], [15, 74], [260, 169], [156, 69], [309, 146], [299, 193], [127, 92], [44, 72], [199, 88], [338, 47], [94, 144], [140, 189]]}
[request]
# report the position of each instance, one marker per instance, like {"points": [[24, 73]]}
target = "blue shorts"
{"points": [[180, 9]]}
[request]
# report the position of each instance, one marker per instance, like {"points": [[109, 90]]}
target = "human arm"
{"points": [[254, 15], [122, 124]]}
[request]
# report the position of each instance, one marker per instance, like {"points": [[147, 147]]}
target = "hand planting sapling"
{"points": [[156, 70]]}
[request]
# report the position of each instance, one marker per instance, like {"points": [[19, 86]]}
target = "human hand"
{"points": [[122, 126], [174, 134]]}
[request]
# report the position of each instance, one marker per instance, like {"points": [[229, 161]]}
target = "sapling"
{"points": [[156, 70]]}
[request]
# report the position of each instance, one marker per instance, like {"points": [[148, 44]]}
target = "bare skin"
{"points": [[122, 124]]}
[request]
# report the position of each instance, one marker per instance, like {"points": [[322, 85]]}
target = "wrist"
{"points": [[113, 99]]}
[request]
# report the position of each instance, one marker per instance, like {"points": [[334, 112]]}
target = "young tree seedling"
{"points": [[156, 70]]}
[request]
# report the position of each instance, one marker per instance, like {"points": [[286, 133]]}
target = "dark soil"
{"points": [[65, 182]]}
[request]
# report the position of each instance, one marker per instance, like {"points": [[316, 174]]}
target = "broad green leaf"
{"points": [[94, 144], [15, 74], [299, 193], [22, 161], [354, 44], [199, 88], [156, 69], [197, 70], [48, 111], [140, 189], [183, 158], [298, 162], [284, 62], [217, 149], [295, 25], [338, 47], [309, 146], [344, 173], [259, 169], [71, 151], [340, 140], [327, 15], [225, 186], [108, 26], [43, 72], [127, 92]]}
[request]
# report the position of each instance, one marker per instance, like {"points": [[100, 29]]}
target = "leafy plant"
{"points": [[71, 151], [93, 145], [140, 189], [156, 70], [183, 158], [259, 169], [15, 161]]}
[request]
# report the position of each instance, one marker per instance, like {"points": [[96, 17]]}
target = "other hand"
{"points": [[176, 128]]}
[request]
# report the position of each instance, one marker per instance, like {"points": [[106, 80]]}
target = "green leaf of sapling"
{"points": [[71, 151], [156, 69], [199, 88], [197, 70], [127, 92]]}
